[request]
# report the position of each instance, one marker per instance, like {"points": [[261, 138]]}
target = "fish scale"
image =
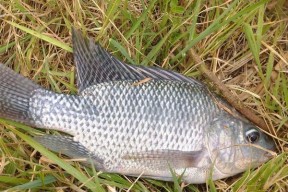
{"points": [[134, 116], [137, 120]]}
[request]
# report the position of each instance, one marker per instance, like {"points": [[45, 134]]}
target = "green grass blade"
{"points": [[122, 50], [42, 36], [217, 24], [34, 184], [194, 20], [156, 48], [260, 26], [253, 46], [140, 19], [11, 180], [70, 169]]}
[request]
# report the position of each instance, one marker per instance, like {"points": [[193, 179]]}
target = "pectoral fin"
{"points": [[165, 158]]}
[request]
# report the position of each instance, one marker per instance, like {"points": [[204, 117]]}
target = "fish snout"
{"points": [[270, 154]]}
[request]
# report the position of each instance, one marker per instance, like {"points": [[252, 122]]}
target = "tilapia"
{"points": [[137, 120]]}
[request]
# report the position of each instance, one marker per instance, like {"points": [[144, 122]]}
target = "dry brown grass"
{"points": [[248, 52]]}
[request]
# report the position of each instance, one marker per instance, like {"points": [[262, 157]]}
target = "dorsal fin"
{"points": [[95, 65]]}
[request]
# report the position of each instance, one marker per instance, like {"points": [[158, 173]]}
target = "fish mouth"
{"points": [[270, 154]]}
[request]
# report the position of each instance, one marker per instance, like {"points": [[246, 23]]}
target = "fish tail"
{"points": [[15, 93]]}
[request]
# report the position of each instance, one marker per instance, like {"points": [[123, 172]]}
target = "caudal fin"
{"points": [[15, 92]]}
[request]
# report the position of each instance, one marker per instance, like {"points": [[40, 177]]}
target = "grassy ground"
{"points": [[245, 43]]}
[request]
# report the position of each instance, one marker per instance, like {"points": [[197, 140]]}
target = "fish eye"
{"points": [[252, 135]]}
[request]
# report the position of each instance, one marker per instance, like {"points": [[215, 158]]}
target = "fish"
{"points": [[137, 120]]}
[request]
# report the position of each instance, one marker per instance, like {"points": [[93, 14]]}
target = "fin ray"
{"points": [[95, 65], [15, 93], [175, 158], [67, 146]]}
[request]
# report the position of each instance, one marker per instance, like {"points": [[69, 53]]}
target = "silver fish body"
{"points": [[149, 128]]}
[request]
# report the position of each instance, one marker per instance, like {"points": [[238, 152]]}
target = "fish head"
{"points": [[235, 145]]}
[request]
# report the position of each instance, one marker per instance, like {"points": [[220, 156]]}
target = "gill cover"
{"points": [[225, 143]]}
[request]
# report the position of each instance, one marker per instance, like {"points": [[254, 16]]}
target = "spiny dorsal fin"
{"points": [[95, 65]]}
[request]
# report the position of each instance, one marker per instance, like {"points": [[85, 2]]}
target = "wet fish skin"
{"points": [[136, 128], [138, 116]]}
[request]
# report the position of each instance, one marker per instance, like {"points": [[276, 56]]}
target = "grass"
{"points": [[243, 42]]}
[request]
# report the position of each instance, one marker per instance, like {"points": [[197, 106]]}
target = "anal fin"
{"points": [[67, 146]]}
